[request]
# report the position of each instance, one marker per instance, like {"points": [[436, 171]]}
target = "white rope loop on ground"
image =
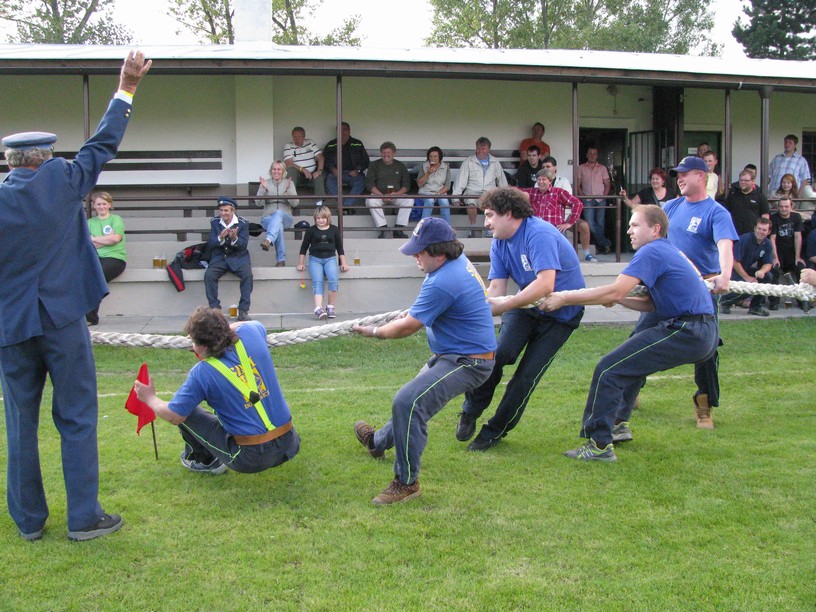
{"points": [[298, 336]]}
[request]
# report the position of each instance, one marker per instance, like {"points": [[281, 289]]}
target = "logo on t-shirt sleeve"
{"points": [[525, 263]]}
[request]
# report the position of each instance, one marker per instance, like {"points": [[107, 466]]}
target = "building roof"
{"points": [[564, 65]]}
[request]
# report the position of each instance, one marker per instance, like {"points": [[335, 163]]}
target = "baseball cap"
{"points": [[431, 230], [692, 162]]}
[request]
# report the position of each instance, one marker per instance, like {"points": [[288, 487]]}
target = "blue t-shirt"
{"points": [[752, 256], [536, 246], [695, 228], [238, 416], [452, 305], [676, 287]]}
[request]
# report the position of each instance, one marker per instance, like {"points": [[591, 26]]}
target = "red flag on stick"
{"points": [[135, 406]]}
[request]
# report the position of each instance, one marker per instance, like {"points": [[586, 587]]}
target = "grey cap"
{"points": [[30, 140]]}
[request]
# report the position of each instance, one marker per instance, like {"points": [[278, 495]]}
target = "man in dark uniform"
{"points": [[51, 277], [228, 242]]}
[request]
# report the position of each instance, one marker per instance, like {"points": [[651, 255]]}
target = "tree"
{"points": [[212, 21], [70, 22], [652, 26], [782, 29]]}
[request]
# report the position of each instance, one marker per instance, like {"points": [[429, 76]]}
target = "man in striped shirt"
{"points": [[304, 162]]}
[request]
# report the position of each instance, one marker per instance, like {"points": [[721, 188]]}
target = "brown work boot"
{"points": [[397, 492], [365, 434], [703, 411]]}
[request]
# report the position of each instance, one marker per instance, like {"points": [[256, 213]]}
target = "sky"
{"points": [[150, 24]]}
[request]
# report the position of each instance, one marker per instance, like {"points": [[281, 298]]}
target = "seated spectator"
{"points": [[355, 162], [324, 243], [787, 188], [714, 186], [560, 208], [304, 162], [434, 179], [526, 173], [786, 236], [479, 173], [593, 180], [108, 236], [389, 178], [535, 139], [251, 430], [277, 215], [549, 163], [746, 204], [657, 193], [229, 238], [752, 169], [753, 263]]}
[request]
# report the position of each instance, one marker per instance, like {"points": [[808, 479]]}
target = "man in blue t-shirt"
{"points": [[753, 263], [686, 331], [452, 306], [704, 232], [251, 429], [540, 260]]}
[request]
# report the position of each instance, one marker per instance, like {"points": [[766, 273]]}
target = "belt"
{"points": [[695, 318], [490, 355], [707, 276], [264, 437]]}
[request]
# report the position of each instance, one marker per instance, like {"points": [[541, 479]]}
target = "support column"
{"points": [[765, 127]]}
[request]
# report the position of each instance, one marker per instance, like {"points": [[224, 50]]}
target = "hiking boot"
{"points": [[703, 411], [243, 315], [107, 523], [482, 443], [591, 452], [466, 427], [330, 312], [365, 434], [759, 312], [265, 245], [320, 313], [397, 492], [214, 467], [621, 432]]}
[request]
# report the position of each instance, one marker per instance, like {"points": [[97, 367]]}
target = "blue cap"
{"points": [[431, 230], [30, 140], [225, 201], [692, 162]]}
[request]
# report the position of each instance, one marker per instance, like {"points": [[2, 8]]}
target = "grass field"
{"points": [[686, 519]]}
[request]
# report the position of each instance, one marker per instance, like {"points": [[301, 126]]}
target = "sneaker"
{"points": [[365, 434], [243, 315], [591, 452], [397, 492], [265, 245], [107, 523], [33, 536], [482, 443], [330, 314], [466, 427], [320, 313], [590, 258], [280, 264], [759, 312], [214, 467], [725, 309], [702, 411], [621, 432]]}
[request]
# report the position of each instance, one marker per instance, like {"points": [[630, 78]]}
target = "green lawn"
{"points": [[686, 519]]}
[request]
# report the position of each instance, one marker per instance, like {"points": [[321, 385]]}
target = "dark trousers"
{"points": [[356, 186], [757, 301], [214, 273], [207, 438], [620, 373], [111, 268], [66, 356], [540, 338]]}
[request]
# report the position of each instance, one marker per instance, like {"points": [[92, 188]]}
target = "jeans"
{"points": [[444, 208], [323, 269], [214, 273], [441, 379], [207, 438], [274, 224], [356, 184], [596, 217], [542, 337], [620, 373]]}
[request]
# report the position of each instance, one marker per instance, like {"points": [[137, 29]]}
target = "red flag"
{"points": [[136, 406]]}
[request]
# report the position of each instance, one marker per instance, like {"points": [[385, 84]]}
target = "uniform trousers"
{"points": [[214, 273]]}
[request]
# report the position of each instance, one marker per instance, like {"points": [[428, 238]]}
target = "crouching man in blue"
{"points": [[228, 242], [251, 430], [686, 331], [452, 305], [753, 263]]}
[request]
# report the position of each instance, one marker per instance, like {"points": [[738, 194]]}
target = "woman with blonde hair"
{"points": [[324, 244], [277, 215]]}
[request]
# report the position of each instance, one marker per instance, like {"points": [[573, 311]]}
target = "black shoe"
{"points": [[759, 312], [805, 306], [400, 234], [108, 523], [466, 427], [725, 309], [773, 306], [481, 443], [243, 315], [92, 318], [382, 234]]}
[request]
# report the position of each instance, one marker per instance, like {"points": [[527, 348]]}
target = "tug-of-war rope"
{"points": [[802, 291]]}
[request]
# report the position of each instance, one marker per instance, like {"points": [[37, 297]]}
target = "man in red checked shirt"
{"points": [[559, 207]]}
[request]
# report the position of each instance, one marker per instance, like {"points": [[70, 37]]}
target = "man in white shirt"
{"points": [[304, 162]]}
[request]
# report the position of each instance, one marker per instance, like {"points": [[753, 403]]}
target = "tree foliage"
{"points": [[70, 22], [652, 26], [209, 20], [781, 29]]}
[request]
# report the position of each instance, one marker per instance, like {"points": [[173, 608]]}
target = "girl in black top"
{"points": [[324, 244]]}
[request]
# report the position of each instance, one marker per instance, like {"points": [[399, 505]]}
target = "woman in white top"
{"points": [[434, 179], [277, 212]]}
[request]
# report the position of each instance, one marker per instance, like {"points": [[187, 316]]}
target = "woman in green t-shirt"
{"points": [[108, 236]]}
